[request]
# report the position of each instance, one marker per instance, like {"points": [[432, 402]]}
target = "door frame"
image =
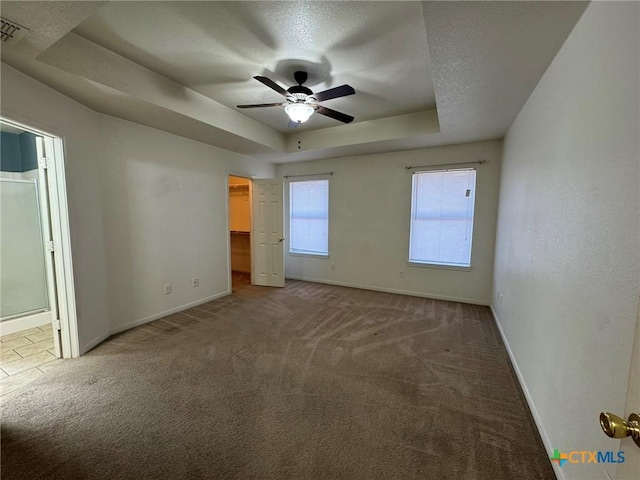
{"points": [[251, 178], [60, 233]]}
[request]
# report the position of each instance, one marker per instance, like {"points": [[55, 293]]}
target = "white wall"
{"points": [[369, 215], [568, 244], [164, 204], [26, 100], [146, 208]]}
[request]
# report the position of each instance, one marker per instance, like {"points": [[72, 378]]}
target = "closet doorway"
{"points": [[240, 202]]}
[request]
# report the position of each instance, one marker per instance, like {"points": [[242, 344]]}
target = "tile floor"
{"points": [[24, 356]]}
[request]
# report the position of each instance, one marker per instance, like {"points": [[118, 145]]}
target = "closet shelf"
{"points": [[240, 232]]}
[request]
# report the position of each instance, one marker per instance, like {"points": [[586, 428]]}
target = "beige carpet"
{"points": [[306, 382]]}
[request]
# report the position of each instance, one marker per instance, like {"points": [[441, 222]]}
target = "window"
{"points": [[309, 217], [442, 217]]}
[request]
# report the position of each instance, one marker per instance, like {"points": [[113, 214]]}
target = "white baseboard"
{"points": [[534, 411], [411, 293], [156, 316]]}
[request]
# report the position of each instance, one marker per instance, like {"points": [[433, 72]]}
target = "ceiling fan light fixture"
{"points": [[299, 112], [302, 102]]}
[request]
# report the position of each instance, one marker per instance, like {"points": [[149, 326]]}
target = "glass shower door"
{"points": [[23, 275]]}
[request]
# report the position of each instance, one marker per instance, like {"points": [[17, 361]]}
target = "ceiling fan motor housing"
{"points": [[299, 89], [300, 94]]}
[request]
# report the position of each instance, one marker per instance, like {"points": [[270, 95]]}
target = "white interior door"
{"points": [[268, 233], [630, 469]]}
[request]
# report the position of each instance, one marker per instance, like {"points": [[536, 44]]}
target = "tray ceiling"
{"points": [[425, 73], [215, 48]]}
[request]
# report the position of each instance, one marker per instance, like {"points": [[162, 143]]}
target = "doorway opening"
{"points": [[240, 215], [37, 298]]}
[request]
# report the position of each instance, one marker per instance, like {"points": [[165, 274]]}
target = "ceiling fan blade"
{"points": [[341, 91], [342, 117], [271, 84], [259, 105]]}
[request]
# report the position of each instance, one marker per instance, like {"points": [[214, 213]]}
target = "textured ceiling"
{"points": [[426, 73], [490, 56], [215, 48]]}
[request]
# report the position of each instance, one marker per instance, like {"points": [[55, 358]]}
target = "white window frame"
{"points": [[440, 265], [306, 253]]}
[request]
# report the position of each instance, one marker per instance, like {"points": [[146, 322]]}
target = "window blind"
{"points": [[309, 217], [442, 211]]}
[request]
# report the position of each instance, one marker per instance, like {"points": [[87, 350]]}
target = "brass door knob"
{"points": [[616, 427]]}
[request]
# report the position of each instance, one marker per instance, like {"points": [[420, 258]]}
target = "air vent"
{"points": [[11, 31]]}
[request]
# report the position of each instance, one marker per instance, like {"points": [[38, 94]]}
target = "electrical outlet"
{"points": [[401, 275], [195, 281], [167, 289], [333, 266]]}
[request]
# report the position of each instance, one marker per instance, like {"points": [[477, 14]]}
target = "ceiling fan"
{"points": [[302, 102]]}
